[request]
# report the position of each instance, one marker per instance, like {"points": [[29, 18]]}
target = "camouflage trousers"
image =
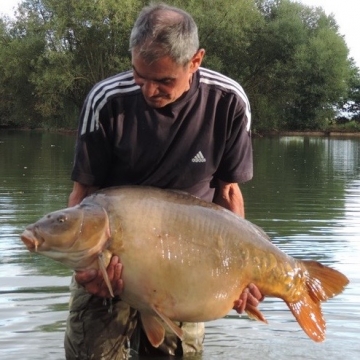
{"points": [[104, 330]]}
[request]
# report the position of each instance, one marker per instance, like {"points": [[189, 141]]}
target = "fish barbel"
{"points": [[183, 259]]}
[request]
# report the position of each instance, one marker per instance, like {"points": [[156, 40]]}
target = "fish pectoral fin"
{"points": [[254, 313], [176, 329], [153, 328], [102, 268]]}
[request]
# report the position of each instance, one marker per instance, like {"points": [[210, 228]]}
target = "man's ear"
{"points": [[196, 60]]}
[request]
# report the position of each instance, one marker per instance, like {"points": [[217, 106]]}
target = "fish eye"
{"points": [[62, 219]]}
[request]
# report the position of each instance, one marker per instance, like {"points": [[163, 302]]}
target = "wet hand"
{"points": [[93, 281], [250, 296]]}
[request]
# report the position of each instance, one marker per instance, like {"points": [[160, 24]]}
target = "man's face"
{"points": [[163, 81]]}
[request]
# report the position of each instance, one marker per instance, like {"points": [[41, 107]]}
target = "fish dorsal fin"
{"points": [[176, 329], [102, 268], [154, 330], [254, 313]]}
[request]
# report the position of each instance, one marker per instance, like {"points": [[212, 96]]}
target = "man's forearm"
{"points": [[79, 192], [229, 196]]}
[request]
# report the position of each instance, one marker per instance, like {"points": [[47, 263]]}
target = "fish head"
{"points": [[75, 236]]}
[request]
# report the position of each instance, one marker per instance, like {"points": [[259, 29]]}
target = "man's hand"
{"points": [[250, 296], [93, 281]]}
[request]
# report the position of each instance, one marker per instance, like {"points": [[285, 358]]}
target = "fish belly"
{"points": [[189, 260]]}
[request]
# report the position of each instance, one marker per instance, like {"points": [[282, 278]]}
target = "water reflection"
{"points": [[305, 194]]}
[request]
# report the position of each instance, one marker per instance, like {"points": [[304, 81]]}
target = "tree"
{"points": [[290, 58], [86, 42], [300, 66], [81, 42], [349, 105], [20, 46], [323, 75]]}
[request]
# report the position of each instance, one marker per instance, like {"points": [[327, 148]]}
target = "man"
{"points": [[167, 123]]}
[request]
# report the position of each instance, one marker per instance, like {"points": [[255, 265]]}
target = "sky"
{"points": [[346, 14]]}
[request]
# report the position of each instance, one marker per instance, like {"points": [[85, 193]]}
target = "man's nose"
{"points": [[149, 89]]}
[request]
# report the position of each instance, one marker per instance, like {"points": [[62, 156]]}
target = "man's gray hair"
{"points": [[161, 30]]}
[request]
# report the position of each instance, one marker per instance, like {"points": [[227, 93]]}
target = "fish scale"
{"points": [[183, 259]]}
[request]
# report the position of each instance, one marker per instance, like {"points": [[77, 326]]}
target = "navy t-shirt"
{"points": [[204, 135]]}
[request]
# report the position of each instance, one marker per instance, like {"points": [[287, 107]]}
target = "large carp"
{"points": [[183, 259]]}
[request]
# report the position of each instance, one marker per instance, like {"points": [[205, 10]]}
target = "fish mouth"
{"points": [[32, 243]]}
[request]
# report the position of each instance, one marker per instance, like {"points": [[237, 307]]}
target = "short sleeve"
{"points": [[236, 165], [92, 159]]}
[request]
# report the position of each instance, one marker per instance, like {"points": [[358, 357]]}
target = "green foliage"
{"points": [[350, 104], [348, 127], [301, 66], [18, 51], [290, 58], [82, 42]]}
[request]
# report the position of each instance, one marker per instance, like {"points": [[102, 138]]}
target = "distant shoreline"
{"points": [[326, 133], [319, 133]]}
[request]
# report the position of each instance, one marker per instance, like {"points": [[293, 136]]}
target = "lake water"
{"points": [[305, 195]]}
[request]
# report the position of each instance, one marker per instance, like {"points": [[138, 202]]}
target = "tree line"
{"points": [[290, 58]]}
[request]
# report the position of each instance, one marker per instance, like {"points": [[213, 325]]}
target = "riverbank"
{"points": [[317, 133], [314, 133]]}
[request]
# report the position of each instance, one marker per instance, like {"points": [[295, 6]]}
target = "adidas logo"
{"points": [[198, 158]]}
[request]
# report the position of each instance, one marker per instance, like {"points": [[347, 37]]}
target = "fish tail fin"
{"points": [[309, 316], [322, 283]]}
